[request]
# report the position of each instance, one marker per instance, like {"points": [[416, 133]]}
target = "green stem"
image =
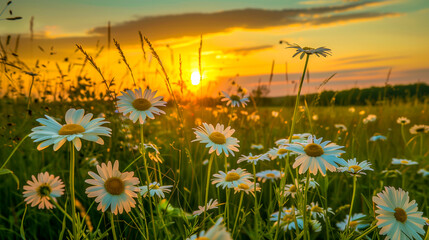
{"points": [[283, 181], [62, 210], [256, 203], [304, 205], [13, 152], [366, 232], [421, 144], [73, 198], [112, 221], [352, 203], [208, 184], [227, 209], [148, 179], [238, 212]]}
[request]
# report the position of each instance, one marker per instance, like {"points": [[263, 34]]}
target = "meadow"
{"points": [[173, 157]]}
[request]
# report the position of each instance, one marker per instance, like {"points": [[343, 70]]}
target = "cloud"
{"points": [[247, 50]]}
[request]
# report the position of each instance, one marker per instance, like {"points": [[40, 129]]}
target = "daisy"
{"points": [[296, 138], [291, 190], [153, 152], [140, 105], [278, 152], [341, 127], [217, 232], [423, 172], [377, 137], [39, 191], [317, 156], [316, 211], [247, 188], [369, 118], [322, 51], [311, 183], [235, 100], [155, 188], [218, 139], [113, 189], [253, 159], [416, 129], [356, 222], [315, 225], [397, 217], [231, 179], [212, 204], [403, 120], [353, 167], [287, 217], [77, 126], [269, 175], [257, 146], [406, 162]]}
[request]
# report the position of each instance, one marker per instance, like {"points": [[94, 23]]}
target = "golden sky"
{"points": [[240, 40]]}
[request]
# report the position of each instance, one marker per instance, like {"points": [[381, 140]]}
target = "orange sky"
{"points": [[240, 41]]}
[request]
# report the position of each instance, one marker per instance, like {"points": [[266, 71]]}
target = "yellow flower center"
{"points": [[270, 175], [316, 209], [313, 150], [282, 151], [295, 137], [292, 188], [243, 186], [114, 186], [355, 168], [307, 48], [44, 190], [70, 129], [154, 186], [404, 161], [288, 218], [235, 98], [232, 176], [253, 157], [353, 224], [400, 215], [217, 138], [141, 104], [202, 238]]}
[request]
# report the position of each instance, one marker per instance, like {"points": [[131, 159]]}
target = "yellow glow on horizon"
{"points": [[195, 78]]}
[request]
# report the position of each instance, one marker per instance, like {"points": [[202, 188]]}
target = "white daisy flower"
{"points": [[403, 120], [77, 126], [317, 156], [155, 188], [253, 159], [353, 167], [407, 162], [341, 127], [315, 225], [423, 172], [248, 187], [140, 105], [291, 189], [269, 175], [279, 152], [377, 137], [318, 212], [416, 129], [322, 51], [296, 138], [356, 222], [287, 221], [257, 146], [217, 232], [232, 179], [113, 189], [397, 217], [218, 139], [311, 183], [39, 191], [153, 152], [369, 118], [212, 204], [235, 100]]}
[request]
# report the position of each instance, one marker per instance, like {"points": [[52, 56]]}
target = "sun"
{"points": [[195, 78]]}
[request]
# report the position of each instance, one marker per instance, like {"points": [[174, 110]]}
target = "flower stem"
{"points": [[112, 221], [148, 179], [227, 209], [352, 203], [421, 144], [256, 203], [283, 181], [238, 212], [366, 232], [61, 209], [208, 184], [13, 152], [304, 205], [73, 199]]}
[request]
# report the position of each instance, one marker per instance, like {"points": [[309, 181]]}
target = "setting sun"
{"points": [[195, 78]]}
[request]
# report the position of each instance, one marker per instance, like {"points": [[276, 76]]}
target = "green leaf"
{"points": [[7, 171]]}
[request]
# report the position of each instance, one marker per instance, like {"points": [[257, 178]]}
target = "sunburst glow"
{"points": [[195, 78]]}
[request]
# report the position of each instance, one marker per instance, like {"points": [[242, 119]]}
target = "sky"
{"points": [[240, 40]]}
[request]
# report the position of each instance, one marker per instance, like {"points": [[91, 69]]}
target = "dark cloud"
{"points": [[247, 50]]}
